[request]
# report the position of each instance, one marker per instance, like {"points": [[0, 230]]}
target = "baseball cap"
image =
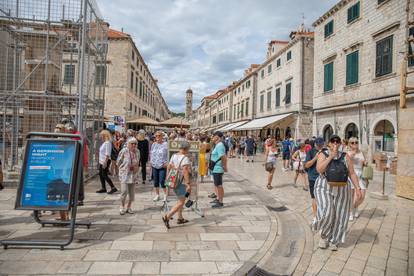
{"points": [[334, 137], [319, 141], [218, 133]]}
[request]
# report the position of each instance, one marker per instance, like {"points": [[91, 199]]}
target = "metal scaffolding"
{"points": [[52, 67]]}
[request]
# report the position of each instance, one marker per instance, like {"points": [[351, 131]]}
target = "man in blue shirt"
{"points": [[219, 157], [310, 167], [286, 153]]}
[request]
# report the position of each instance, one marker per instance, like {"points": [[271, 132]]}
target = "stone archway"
{"points": [[277, 134], [384, 136], [288, 132], [351, 130], [327, 132]]}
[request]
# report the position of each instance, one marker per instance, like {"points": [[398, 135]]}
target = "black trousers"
{"points": [[144, 169], [104, 177]]}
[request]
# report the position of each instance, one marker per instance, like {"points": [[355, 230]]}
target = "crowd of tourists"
{"points": [[335, 172]]}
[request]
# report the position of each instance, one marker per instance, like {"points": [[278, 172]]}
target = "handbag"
{"points": [[174, 178], [269, 166], [367, 173]]}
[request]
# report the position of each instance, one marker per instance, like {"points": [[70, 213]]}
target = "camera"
{"points": [[189, 202]]}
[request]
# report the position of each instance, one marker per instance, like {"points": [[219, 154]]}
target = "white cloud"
{"points": [[205, 44]]}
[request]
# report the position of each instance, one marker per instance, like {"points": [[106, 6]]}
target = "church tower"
{"points": [[188, 103]]}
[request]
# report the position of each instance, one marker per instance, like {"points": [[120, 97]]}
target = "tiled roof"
{"points": [[114, 34], [279, 41]]}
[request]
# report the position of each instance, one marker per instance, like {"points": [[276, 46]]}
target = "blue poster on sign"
{"points": [[48, 174]]}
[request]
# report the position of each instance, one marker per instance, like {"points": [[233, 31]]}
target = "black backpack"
{"points": [[337, 171]]}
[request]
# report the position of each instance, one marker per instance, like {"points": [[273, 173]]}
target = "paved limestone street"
{"points": [[269, 229]]}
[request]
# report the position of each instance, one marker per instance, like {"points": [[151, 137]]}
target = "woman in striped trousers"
{"points": [[333, 202]]}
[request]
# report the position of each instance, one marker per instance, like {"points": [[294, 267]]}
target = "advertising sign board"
{"points": [[48, 174]]}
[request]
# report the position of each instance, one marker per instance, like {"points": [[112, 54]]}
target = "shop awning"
{"points": [[143, 121], [232, 126], [262, 122], [176, 122]]}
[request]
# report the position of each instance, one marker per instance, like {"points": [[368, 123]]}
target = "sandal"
{"points": [[166, 222], [269, 187], [182, 221]]}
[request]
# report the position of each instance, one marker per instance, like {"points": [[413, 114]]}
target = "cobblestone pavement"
{"points": [[379, 242], [258, 228]]}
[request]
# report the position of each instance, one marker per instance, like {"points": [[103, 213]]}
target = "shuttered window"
{"points": [[328, 77], [329, 28], [289, 55], [288, 93], [278, 97], [383, 64], [261, 103], [352, 61], [69, 76], [247, 108], [353, 12], [269, 100]]}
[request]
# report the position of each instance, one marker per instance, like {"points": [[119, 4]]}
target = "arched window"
{"points": [[327, 133], [351, 130], [288, 132], [277, 134], [384, 133]]}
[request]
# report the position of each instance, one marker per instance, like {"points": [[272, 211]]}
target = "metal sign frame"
{"points": [[73, 200], [22, 184]]}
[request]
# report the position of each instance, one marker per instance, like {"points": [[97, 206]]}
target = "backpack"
{"points": [[337, 171], [286, 146]]}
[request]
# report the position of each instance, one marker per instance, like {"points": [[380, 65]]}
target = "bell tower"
{"points": [[188, 103]]}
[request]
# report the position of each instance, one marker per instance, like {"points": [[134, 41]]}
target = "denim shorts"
{"points": [[158, 177], [180, 191]]}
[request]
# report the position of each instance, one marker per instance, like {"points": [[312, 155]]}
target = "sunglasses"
{"points": [[335, 141], [354, 143]]}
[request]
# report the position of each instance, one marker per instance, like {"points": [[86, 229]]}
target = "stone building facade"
{"points": [[285, 85], [131, 91], [243, 94], [356, 68]]}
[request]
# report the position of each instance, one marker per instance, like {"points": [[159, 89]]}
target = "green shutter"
{"points": [[352, 68], [353, 12], [328, 77], [384, 51], [329, 28], [277, 97]]}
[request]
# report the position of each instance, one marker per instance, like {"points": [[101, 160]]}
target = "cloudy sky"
{"points": [[206, 44]]}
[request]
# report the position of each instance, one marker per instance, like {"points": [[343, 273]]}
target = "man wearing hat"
{"points": [[310, 167], [218, 157]]}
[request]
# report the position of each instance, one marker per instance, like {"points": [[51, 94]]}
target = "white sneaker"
{"points": [[333, 247], [156, 198], [129, 211], [351, 217], [314, 224], [121, 211], [164, 198], [356, 213], [323, 244]]}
